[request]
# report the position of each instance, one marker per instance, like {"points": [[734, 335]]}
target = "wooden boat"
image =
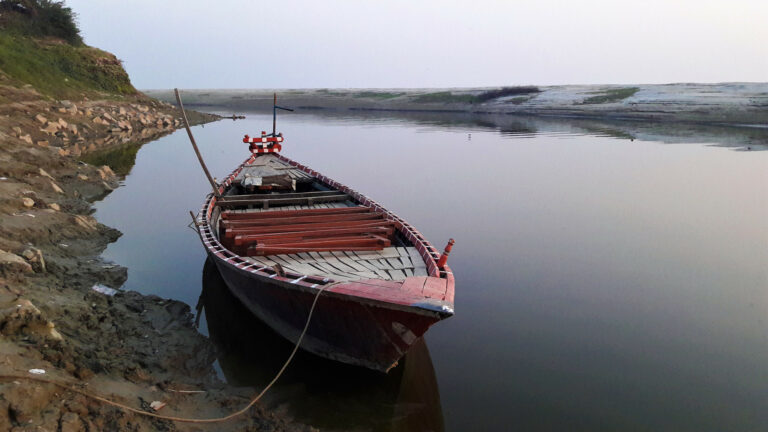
{"points": [[280, 231], [407, 398]]}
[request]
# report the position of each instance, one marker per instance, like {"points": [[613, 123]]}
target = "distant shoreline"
{"points": [[724, 104]]}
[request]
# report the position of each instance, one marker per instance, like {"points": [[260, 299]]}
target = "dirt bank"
{"points": [[132, 348]]}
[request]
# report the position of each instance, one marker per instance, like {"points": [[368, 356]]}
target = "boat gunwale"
{"points": [[304, 282]]}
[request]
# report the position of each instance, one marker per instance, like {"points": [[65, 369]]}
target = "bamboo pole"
{"points": [[194, 145]]}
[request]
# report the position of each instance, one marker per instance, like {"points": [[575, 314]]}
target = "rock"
{"points": [[87, 222], [108, 117], [106, 172], [28, 202], [62, 110], [45, 174], [82, 177], [26, 402], [17, 130], [51, 128], [41, 119], [63, 123], [5, 420], [42, 143], [35, 258], [26, 138], [63, 152], [73, 129], [122, 111], [56, 187], [71, 422], [88, 112], [66, 104], [13, 264], [54, 206]]}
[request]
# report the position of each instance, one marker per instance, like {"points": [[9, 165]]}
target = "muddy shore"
{"points": [[57, 312], [734, 104]]}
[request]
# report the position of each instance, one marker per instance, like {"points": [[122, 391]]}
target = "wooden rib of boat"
{"points": [[280, 231]]}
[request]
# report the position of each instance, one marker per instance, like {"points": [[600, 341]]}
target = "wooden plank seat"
{"points": [[232, 232], [266, 200], [234, 215], [254, 222], [310, 230], [310, 235]]}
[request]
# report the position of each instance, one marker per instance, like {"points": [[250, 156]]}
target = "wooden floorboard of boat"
{"points": [[349, 265]]}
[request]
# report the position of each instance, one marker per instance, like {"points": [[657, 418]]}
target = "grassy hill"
{"points": [[40, 45]]}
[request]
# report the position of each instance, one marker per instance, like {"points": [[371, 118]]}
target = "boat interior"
{"points": [[274, 214]]}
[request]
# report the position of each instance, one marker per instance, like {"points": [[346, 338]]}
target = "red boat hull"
{"points": [[344, 328]]}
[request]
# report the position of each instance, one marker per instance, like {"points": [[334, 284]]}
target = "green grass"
{"points": [[485, 96], [611, 95], [61, 70], [520, 99], [331, 93], [377, 95], [506, 91], [444, 97]]}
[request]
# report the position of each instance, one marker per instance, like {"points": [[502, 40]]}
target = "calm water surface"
{"points": [[601, 283]]}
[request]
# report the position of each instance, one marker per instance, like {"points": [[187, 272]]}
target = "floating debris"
{"points": [[37, 371], [157, 405]]}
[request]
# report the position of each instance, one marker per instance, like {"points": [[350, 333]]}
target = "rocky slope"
{"points": [[59, 312]]}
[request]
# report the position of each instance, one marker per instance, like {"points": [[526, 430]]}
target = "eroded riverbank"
{"points": [[131, 348]]}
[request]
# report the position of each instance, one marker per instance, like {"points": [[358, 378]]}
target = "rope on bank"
{"points": [[70, 386]]}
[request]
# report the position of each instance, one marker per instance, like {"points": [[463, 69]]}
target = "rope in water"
{"points": [[183, 419]]}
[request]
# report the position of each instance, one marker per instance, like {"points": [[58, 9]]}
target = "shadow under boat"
{"points": [[314, 390]]}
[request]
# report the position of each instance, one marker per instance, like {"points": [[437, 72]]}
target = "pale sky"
{"points": [[429, 43]]}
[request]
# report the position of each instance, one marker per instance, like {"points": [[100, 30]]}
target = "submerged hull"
{"points": [[369, 322]]}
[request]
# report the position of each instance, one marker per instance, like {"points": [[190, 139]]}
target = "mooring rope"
{"points": [[70, 386]]}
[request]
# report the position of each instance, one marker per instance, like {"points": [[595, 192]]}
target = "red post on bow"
{"points": [[444, 257]]}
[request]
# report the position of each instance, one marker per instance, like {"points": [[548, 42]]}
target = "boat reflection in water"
{"points": [[313, 390]]}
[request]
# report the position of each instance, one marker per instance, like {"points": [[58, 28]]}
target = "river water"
{"points": [[604, 281]]}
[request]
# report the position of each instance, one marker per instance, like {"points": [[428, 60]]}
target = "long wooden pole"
{"points": [[194, 145], [274, 115]]}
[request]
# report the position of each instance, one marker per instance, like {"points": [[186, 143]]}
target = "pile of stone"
{"points": [[71, 129]]}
